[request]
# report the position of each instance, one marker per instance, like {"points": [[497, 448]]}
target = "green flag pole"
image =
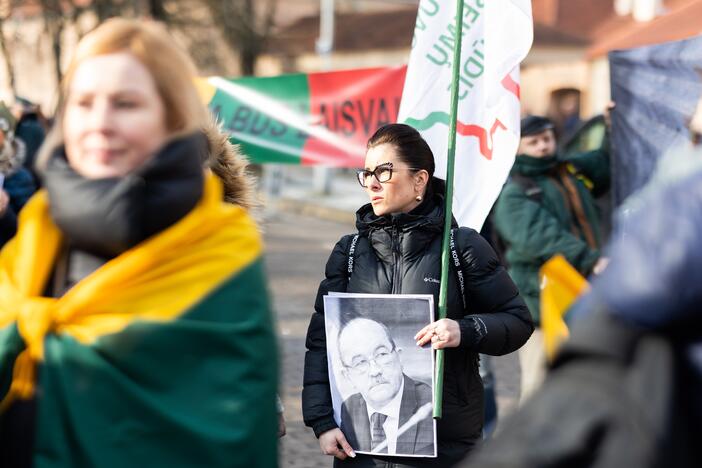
{"points": [[456, 67]]}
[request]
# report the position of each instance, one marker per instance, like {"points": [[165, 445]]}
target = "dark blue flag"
{"points": [[656, 89]]}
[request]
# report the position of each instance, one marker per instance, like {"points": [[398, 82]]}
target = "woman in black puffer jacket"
{"points": [[399, 252]]}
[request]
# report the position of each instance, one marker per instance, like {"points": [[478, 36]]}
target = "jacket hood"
{"points": [[230, 165], [531, 166]]}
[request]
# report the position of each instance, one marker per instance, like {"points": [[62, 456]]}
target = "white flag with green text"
{"points": [[497, 35]]}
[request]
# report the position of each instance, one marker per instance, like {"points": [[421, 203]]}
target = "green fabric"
{"points": [[196, 391], [595, 166], [535, 230], [11, 345], [261, 137]]}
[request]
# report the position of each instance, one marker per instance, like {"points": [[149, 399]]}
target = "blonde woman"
{"points": [[134, 321]]}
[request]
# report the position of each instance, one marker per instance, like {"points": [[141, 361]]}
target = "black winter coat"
{"points": [[8, 226], [396, 254]]}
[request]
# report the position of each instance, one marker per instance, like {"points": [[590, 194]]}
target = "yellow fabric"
{"points": [[589, 184], [560, 284], [157, 280]]}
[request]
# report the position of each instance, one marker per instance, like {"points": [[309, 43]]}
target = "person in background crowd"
{"points": [[546, 208], [398, 246], [626, 387], [135, 326], [8, 219], [17, 184], [281, 417], [491, 413], [564, 112], [31, 128]]}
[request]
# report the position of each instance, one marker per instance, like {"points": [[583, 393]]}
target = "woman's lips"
{"points": [[376, 199], [104, 154]]}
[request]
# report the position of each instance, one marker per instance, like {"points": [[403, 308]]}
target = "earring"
{"points": [[418, 198]]}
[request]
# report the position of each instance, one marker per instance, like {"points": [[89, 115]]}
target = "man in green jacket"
{"points": [[546, 208]]}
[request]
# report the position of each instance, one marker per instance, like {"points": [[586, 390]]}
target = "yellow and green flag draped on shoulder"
{"points": [[163, 357]]}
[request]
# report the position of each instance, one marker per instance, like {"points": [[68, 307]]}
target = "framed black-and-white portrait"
{"points": [[381, 381]]}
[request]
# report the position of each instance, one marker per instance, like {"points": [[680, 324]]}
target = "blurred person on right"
{"points": [[626, 388], [547, 208]]}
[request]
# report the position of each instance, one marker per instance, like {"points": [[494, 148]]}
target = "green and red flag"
{"points": [[317, 118]]}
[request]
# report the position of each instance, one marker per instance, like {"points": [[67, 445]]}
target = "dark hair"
{"points": [[535, 124], [410, 146]]}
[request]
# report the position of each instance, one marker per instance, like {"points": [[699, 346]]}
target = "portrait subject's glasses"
{"points": [[382, 173], [382, 358]]}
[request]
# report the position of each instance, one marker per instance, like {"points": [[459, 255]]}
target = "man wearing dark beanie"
{"points": [[546, 208]]}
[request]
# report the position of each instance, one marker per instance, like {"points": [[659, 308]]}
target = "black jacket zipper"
{"points": [[397, 259]]}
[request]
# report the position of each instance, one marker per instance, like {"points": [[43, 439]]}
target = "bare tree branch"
{"points": [[53, 26], [242, 27], [9, 67], [75, 13], [157, 10]]}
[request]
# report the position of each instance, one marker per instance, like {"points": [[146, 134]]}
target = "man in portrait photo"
{"points": [[391, 413]]}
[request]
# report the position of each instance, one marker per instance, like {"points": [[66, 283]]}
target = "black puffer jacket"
{"points": [[8, 225], [401, 254]]}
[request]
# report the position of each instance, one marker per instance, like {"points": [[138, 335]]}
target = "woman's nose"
{"points": [[374, 185], [101, 117]]}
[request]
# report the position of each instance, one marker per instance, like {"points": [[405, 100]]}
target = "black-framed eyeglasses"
{"points": [[382, 173]]}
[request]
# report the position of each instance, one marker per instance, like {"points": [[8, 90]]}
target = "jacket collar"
{"points": [[531, 166], [409, 233], [428, 215]]}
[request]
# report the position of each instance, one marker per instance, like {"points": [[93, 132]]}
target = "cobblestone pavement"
{"points": [[297, 249]]}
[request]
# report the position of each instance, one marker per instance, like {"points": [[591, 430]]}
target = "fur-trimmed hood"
{"points": [[227, 162]]}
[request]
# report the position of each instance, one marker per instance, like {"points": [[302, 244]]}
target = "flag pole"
{"points": [[443, 289]]}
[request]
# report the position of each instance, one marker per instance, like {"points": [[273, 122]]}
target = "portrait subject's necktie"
{"points": [[377, 431]]}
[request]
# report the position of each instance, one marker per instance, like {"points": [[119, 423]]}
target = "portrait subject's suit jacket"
{"points": [[417, 440]]}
